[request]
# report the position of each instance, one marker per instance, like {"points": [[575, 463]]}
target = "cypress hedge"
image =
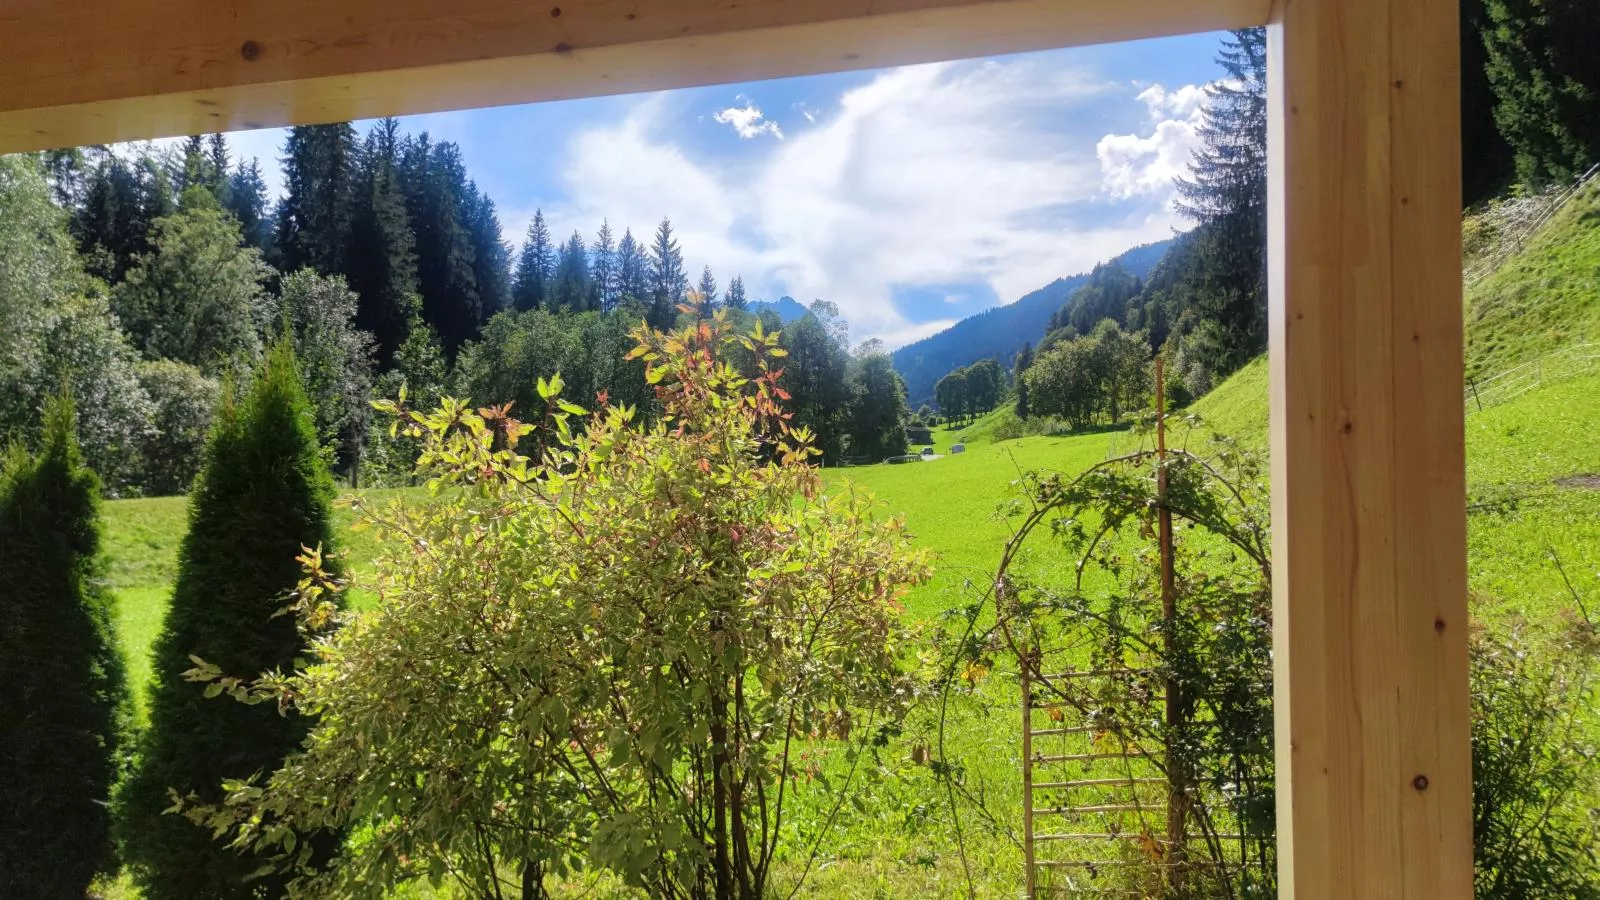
{"points": [[263, 493], [64, 706]]}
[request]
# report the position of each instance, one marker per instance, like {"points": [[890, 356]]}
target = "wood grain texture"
{"points": [[104, 70], [1369, 495]]}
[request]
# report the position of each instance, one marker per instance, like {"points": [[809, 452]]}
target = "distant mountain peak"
{"points": [[787, 308]]}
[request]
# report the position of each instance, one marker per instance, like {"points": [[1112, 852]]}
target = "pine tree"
{"points": [[633, 269], [247, 201], [536, 265], [603, 266], [121, 201], [263, 494], [434, 183], [319, 170], [491, 259], [221, 184], [707, 290], [1544, 69], [735, 298], [1024, 360], [382, 256], [65, 705], [668, 280], [1226, 194], [572, 286], [877, 410]]}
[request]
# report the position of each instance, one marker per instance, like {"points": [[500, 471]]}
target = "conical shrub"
{"points": [[264, 492], [64, 707]]}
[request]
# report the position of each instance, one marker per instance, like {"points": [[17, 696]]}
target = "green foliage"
{"points": [[536, 265], [182, 399], [56, 332], [1187, 693], [668, 279], [1545, 74], [120, 202], [382, 264], [642, 625], [1535, 761], [335, 358], [814, 377], [970, 391], [1082, 378], [264, 494], [877, 409], [65, 704], [438, 204], [320, 183], [197, 296], [1104, 296]]}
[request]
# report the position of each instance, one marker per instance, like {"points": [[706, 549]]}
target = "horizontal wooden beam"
{"points": [[97, 71]]}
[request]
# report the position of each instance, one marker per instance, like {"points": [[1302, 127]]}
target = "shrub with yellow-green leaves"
{"points": [[606, 653]]}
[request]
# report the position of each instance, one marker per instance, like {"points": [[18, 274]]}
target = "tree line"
{"points": [[144, 280]]}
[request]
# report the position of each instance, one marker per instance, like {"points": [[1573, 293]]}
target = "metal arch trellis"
{"points": [[1110, 807]]}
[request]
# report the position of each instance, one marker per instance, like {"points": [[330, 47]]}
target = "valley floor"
{"points": [[900, 841]]}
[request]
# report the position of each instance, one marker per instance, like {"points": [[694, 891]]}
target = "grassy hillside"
{"points": [[1543, 298], [1238, 407]]}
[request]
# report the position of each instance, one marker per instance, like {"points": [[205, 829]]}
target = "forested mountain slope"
{"points": [[999, 333]]}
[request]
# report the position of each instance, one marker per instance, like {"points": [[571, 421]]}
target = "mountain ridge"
{"points": [[1000, 331]]}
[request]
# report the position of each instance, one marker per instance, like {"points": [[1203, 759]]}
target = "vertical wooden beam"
{"points": [[1368, 470]]}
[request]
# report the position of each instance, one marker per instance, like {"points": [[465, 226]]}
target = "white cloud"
{"points": [[1133, 165], [748, 121], [924, 177]]}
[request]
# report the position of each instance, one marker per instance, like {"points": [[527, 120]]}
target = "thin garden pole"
{"points": [[1027, 776], [1176, 775]]}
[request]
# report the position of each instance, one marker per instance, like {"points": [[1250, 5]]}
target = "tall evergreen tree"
{"points": [[491, 258], [668, 280], [736, 298], [536, 265], [382, 256], [247, 200], [633, 269], [65, 705], [603, 266], [263, 494], [217, 154], [814, 375], [122, 200], [707, 289], [319, 171], [1226, 194], [1023, 361], [1543, 63], [572, 286], [434, 183]]}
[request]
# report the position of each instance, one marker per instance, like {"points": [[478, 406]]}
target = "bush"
{"points": [[64, 706], [182, 400], [1535, 762], [608, 652], [263, 494]]}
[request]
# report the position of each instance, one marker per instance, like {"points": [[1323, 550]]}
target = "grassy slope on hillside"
{"points": [[1238, 406], [1543, 298]]}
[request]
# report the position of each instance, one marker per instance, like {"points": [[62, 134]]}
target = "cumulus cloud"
{"points": [[922, 177], [1133, 165], [748, 121]]}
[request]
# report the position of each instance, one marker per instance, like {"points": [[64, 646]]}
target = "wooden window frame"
{"points": [[1368, 464]]}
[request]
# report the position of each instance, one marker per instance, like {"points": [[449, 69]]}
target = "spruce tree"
{"points": [[263, 494], [736, 298], [491, 259], [319, 182], [65, 704], [1024, 360], [1226, 194], [572, 286], [1543, 64], [383, 258], [633, 269], [668, 280], [434, 184], [536, 265], [247, 200], [603, 266], [707, 288]]}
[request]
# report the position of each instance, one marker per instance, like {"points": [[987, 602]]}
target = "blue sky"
{"points": [[911, 197]]}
